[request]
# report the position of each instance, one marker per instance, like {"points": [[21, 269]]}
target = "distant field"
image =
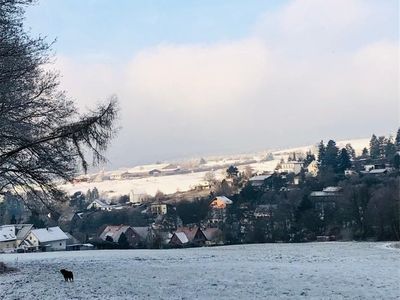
{"points": [[287, 271]]}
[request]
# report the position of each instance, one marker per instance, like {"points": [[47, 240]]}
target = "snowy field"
{"points": [[269, 271]]}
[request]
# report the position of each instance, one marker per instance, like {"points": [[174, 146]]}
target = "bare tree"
{"points": [[42, 136]]}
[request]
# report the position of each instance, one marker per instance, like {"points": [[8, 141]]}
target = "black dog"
{"points": [[68, 275]]}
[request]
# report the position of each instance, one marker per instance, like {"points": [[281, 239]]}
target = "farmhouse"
{"points": [[46, 239]]}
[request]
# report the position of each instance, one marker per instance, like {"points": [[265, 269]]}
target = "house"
{"points": [[8, 238], [159, 208], [143, 235], [179, 239], [135, 237], [195, 236], [218, 209], [46, 239], [214, 236], [313, 168], [291, 167], [138, 197], [74, 244], [102, 204], [220, 202], [11, 236], [258, 181], [326, 198]]}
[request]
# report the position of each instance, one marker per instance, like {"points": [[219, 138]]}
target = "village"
{"points": [[242, 207]]}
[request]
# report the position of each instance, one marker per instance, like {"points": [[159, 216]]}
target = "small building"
{"points": [[46, 239], [313, 168], [179, 239], [138, 197], [195, 236], [214, 236], [159, 208], [326, 198], [220, 202], [259, 180], [291, 167], [136, 236], [102, 204]]}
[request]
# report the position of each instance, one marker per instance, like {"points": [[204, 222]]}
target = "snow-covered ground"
{"points": [[286, 271], [150, 185]]}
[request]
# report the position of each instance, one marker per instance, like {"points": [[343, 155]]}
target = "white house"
{"points": [[138, 197], [291, 167], [46, 239], [102, 204], [8, 239], [313, 168], [11, 236]]}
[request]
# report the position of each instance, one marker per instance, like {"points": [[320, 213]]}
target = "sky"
{"points": [[197, 78]]}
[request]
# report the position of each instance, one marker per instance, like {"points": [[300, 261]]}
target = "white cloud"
{"points": [[309, 70]]}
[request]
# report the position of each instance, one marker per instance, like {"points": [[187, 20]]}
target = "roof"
{"points": [[259, 177], [49, 234], [141, 231], [189, 232], [7, 233], [332, 189], [212, 233], [23, 230], [182, 237], [114, 232], [378, 171], [224, 199]]}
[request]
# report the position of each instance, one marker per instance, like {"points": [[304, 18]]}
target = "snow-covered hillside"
{"points": [[183, 182]]}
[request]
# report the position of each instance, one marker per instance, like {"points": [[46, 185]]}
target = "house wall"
{"points": [[56, 245], [8, 245], [32, 239]]}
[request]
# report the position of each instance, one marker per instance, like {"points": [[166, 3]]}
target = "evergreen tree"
{"points": [[13, 220], [331, 155], [382, 145], [344, 160], [321, 151], [374, 149], [390, 149], [95, 193], [232, 171], [397, 140], [350, 150], [364, 153]]}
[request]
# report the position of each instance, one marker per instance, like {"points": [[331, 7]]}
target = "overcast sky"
{"points": [[211, 77]]}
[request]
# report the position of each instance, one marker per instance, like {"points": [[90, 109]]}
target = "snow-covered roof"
{"points": [[7, 233], [23, 230], [114, 232], [224, 199], [378, 171], [49, 234], [332, 189], [182, 237]]}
